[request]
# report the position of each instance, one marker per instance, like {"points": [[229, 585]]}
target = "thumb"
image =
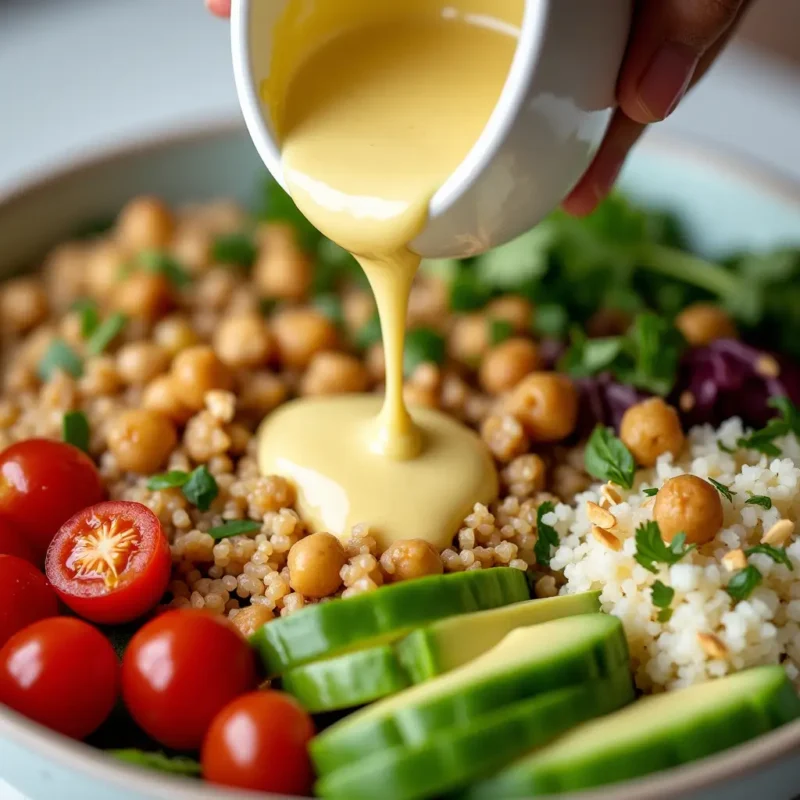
{"points": [[667, 45]]}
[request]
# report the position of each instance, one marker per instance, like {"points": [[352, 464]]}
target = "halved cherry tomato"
{"points": [[180, 670], [62, 673], [42, 484], [13, 543], [25, 596], [111, 562], [260, 741]]}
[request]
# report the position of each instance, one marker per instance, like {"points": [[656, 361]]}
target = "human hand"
{"points": [[671, 46], [222, 8]]}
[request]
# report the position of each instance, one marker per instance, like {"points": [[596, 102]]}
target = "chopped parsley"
{"points": [[743, 582], [423, 345], [88, 315], [234, 528], [759, 500], [60, 356], [607, 458], [651, 549], [722, 489], [237, 249], [105, 333], [662, 596], [178, 765], [75, 430], [787, 421], [650, 492], [499, 331], [199, 486], [161, 263], [547, 535], [777, 554]]}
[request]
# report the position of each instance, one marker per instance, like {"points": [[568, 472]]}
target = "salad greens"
{"points": [[607, 458]]}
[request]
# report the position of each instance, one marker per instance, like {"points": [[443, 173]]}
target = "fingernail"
{"points": [[666, 80], [606, 172]]}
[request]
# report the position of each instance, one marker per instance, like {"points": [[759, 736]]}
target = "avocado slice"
{"points": [[353, 679], [378, 617], [655, 733], [527, 662], [471, 751]]}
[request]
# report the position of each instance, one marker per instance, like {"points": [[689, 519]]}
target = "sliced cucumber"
{"points": [[460, 755], [655, 733], [449, 643], [382, 616], [527, 662], [345, 681], [353, 679]]}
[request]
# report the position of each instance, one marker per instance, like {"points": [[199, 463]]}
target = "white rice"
{"points": [[763, 629]]}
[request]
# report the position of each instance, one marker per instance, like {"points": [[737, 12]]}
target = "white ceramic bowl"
{"points": [[540, 139], [724, 205]]}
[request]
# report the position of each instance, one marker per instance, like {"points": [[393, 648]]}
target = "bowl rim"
{"points": [[94, 764]]}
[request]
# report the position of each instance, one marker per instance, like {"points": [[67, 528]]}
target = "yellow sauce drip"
{"points": [[373, 119]]}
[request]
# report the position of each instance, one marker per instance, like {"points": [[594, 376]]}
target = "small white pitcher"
{"points": [[540, 139]]}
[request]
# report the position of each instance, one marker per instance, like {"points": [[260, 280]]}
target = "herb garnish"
{"points": [[607, 458], [777, 554], [722, 489], [650, 492], [499, 331], [59, 356], [787, 421], [75, 430], [467, 292], [178, 765], [546, 535], [88, 314], [199, 486], [235, 527], [662, 596], [423, 345], [651, 549], [759, 500], [161, 263], [743, 582], [725, 449], [105, 333], [237, 249]]}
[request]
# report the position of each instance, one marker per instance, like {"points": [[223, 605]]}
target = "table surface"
{"points": [[81, 75]]}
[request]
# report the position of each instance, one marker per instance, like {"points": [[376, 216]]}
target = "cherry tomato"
{"points": [[42, 484], [13, 543], [180, 670], [62, 673], [111, 562], [260, 741], [25, 596]]}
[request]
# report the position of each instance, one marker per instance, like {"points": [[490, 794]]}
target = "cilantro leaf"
{"points": [[607, 458], [105, 333], [89, 316], [789, 413], [168, 480], [722, 489], [587, 357], [662, 597], [178, 765], [759, 500], [75, 430], [235, 527], [777, 554], [650, 492], [59, 356], [763, 440], [237, 249], [651, 549], [201, 488], [655, 347], [547, 535], [743, 582], [162, 263]]}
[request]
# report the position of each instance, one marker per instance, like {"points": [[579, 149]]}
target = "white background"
{"points": [[80, 75]]}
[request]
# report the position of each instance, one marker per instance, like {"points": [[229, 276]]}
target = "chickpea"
{"points": [[334, 373], [250, 619], [215, 289], [261, 392], [690, 505], [568, 481], [411, 558], [141, 440], [428, 302], [282, 271], [301, 333], [424, 396], [196, 371], [104, 267], [140, 362], [191, 245], [146, 222], [375, 361], [358, 309], [174, 333], [244, 341], [144, 295], [507, 363], [703, 323], [162, 396], [513, 309], [651, 428], [23, 305], [315, 563], [546, 404], [468, 339], [65, 274]]}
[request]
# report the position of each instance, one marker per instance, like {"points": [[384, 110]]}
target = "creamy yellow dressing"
{"points": [[375, 105]]}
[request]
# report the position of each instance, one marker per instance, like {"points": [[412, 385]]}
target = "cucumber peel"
{"points": [[382, 616], [354, 679], [466, 752], [527, 662], [655, 733]]}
